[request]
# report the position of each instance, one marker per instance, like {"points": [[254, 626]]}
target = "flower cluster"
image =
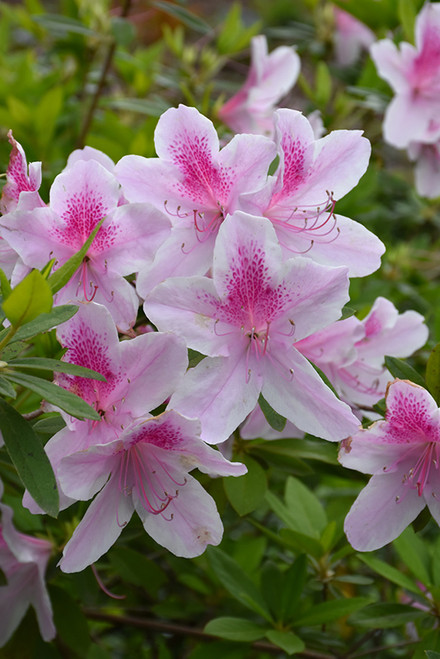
{"points": [[412, 118]]}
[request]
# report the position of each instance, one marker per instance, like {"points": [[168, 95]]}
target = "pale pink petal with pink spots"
{"points": [[99, 529], [412, 414], [382, 511], [370, 451]]}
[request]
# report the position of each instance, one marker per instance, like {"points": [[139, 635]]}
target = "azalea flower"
{"points": [[350, 38], [427, 169], [80, 197], [351, 352], [196, 183], [141, 373], [271, 76], [23, 561], [19, 178], [402, 452], [300, 198], [246, 319], [413, 72], [145, 470]]}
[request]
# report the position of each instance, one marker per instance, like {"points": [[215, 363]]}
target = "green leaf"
{"points": [[400, 369], [5, 286], [246, 492], [433, 373], [323, 84], [70, 621], [6, 388], [61, 276], [389, 572], [407, 16], [325, 612], [301, 542], [234, 35], [137, 569], [413, 552], [44, 322], [275, 420], [29, 458], [184, 16], [309, 514], [60, 25], [287, 641], [49, 426], [240, 586], [47, 364], [383, 616], [28, 299], [431, 654], [234, 629], [56, 395], [294, 580], [287, 449], [46, 114]]}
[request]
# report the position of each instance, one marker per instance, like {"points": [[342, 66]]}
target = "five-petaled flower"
{"points": [[403, 454]]}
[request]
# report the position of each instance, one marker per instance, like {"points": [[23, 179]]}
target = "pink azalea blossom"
{"points": [[351, 37], [427, 169], [351, 352], [413, 72], [300, 199], [197, 184], [403, 454], [79, 198], [19, 177], [246, 319], [270, 78], [141, 373], [145, 470], [23, 561]]}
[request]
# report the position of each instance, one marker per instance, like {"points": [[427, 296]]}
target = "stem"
{"points": [[8, 337], [171, 628], [101, 84]]}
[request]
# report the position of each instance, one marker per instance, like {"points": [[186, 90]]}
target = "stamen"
{"points": [[102, 586]]}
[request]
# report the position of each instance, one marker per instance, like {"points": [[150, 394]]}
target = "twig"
{"points": [[101, 84], [33, 415], [171, 628]]}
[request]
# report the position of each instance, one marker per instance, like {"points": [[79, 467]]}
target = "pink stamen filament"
{"points": [[302, 215], [419, 474], [84, 277], [103, 587]]}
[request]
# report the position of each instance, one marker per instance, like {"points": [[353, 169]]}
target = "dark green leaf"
{"points": [[275, 420], [56, 395], [246, 492], [297, 449], [294, 580], [29, 458], [431, 654], [28, 299], [6, 388], [137, 569], [389, 572], [61, 276], [48, 364], [433, 373], [309, 514], [382, 616], [235, 629], [44, 322], [287, 641], [188, 18], [414, 553], [233, 578], [400, 369], [325, 612], [49, 426], [71, 623]]}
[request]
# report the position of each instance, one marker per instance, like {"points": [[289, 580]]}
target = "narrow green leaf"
{"points": [[298, 449], [188, 18], [287, 641], [294, 580], [383, 616], [44, 322], [47, 268], [5, 286], [247, 492], [29, 458], [61, 276], [137, 569], [400, 369], [233, 578], [28, 299], [60, 25], [414, 553], [407, 16], [275, 420], [49, 426], [323, 84], [431, 654], [234, 629], [433, 373], [6, 388], [309, 514], [56, 395], [325, 612], [70, 621], [48, 364], [389, 572]]}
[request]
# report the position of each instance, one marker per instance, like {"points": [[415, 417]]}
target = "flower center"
{"points": [[418, 475]]}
